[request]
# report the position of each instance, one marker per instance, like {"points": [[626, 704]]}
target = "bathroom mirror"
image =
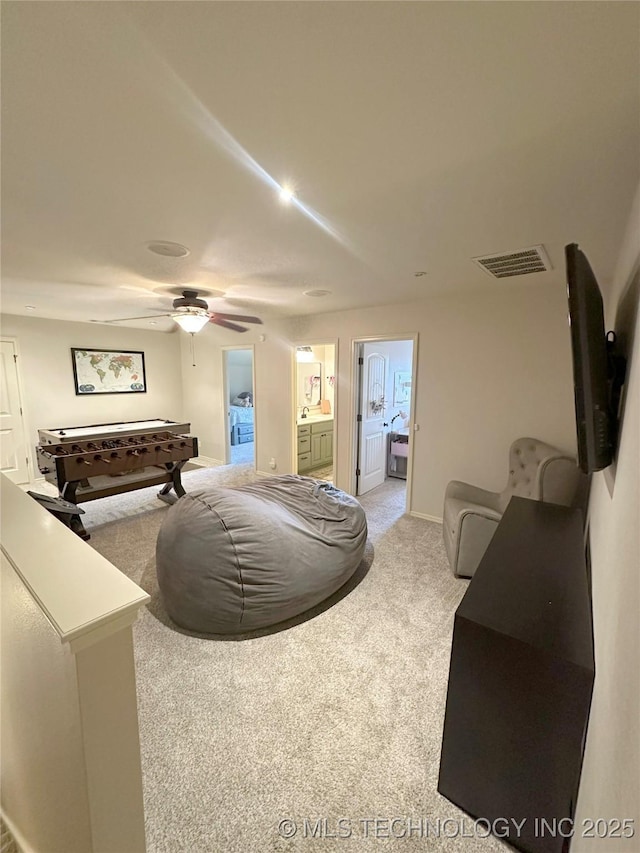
{"points": [[309, 383]]}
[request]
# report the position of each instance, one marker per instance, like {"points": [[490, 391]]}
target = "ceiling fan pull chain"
{"points": [[193, 350]]}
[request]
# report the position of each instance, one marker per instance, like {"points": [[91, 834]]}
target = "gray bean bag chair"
{"points": [[231, 560]]}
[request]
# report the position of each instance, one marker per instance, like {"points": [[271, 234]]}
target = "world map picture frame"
{"points": [[108, 371]]}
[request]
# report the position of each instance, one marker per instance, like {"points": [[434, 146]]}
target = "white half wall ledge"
{"points": [[68, 688], [82, 594]]}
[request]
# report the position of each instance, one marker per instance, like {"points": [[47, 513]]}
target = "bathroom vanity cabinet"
{"points": [[315, 445], [304, 448]]}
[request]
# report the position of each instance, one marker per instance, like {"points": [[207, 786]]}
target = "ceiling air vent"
{"points": [[522, 262]]}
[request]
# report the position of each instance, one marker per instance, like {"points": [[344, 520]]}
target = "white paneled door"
{"points": [[372, 443], [13, 440]]}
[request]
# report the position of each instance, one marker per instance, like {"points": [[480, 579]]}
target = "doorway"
{"points": [[314, 410], [239, 397], [13, 432], [384, 402]]}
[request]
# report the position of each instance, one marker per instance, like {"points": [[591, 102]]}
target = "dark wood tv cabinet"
{"points": [[521, 678]]}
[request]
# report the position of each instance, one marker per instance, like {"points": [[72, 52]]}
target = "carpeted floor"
{"points": [[337, 718], [242, 453]]}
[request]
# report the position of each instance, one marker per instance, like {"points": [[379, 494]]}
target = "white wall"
{"points": [[53, 748], [329, 369], [47, 374], [492, 366], [239, 372], [610, 786], [399, 359], [204, 404]]}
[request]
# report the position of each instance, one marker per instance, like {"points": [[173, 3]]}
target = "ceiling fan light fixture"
{"points": [[304, 354], [191, 321]]}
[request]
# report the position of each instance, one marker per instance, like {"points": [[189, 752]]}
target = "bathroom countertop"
{"points": [[313, 419]]}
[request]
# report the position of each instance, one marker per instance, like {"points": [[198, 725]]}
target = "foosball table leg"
{"points": [[174, 483], [78, 527], [68, 493]]}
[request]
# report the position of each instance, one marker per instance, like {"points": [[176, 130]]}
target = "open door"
{"points": [[314, 409], [372, 455]]}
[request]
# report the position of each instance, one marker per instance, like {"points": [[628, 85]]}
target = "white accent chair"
{"points": [[536, 470]]}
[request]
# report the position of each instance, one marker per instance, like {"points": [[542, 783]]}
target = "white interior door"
{"points": [[372, 444], [13, 440]]}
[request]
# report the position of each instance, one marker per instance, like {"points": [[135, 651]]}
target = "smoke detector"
{"points": [[520, 262], [168, 249]]}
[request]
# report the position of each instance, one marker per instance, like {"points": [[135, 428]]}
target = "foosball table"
{"points": [[87, 463]]}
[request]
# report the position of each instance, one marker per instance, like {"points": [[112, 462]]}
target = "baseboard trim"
{"points": [[206, 461], [425, 516]]}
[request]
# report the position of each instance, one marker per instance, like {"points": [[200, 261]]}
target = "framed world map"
{"points": [[108, 371]]}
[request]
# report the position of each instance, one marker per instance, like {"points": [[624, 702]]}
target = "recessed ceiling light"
{"points": [[168, 249], [317, 293], [286, 194], [30, 307]]}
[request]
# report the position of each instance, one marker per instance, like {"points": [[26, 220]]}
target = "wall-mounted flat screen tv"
{"points": [[597, 371]]}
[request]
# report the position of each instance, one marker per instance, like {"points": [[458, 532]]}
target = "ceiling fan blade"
{"points": [[239, 317], [226, 324], [124, 319]]}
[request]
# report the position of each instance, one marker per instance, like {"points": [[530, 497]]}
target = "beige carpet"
{"points": [[242, 453], [339, 717]]}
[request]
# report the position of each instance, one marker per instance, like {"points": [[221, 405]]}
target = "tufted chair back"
{"points": [[540, 472], [537, 471]]}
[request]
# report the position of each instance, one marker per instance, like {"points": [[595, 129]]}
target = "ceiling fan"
{"points": [[192, 314]]}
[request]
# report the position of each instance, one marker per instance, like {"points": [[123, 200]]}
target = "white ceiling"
{"points": [[418, 135]]}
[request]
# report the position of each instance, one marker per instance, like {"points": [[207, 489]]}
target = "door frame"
{"points": [[313, 342], [225, 398], [23, 408], [355, 403]]}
